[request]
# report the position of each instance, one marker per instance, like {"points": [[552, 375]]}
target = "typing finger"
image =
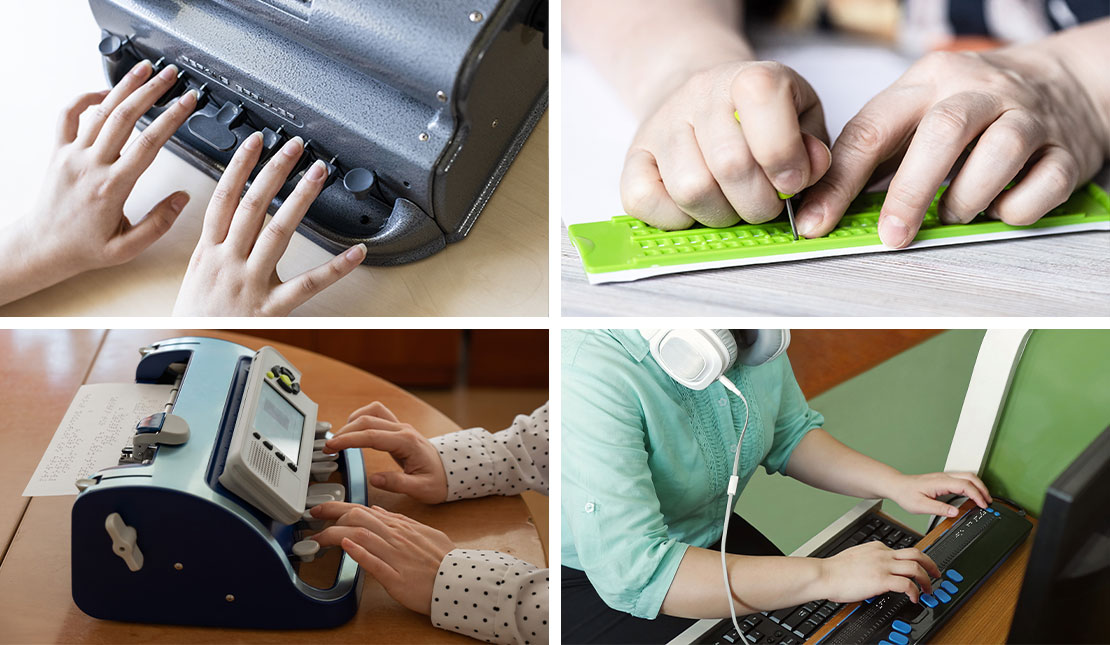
{"points": [[300, 289], [369, 422], [917, 556], [117, 129], [913, 571], [879, 130], [251, 212], [373, 439], [976, 482], [904, 585], [373, 565], [644, 196], [375, 409], [943, 134], [225, 199], [94, 121], [332, 511], [141, 153], [275, 236]]}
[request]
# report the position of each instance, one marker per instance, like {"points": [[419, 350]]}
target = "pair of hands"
{"points": [[873, 568], [401, 553], [1029, 119], [233, 270]]}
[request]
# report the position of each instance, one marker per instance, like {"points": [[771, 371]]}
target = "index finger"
{"points": [[375, 409], [919, 557], [768, 100], [386, 440], [331, 511], [874, 135]]}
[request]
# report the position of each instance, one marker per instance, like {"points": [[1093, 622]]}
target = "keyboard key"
{"points": [[883, 530], [949, 587], [942, 595], [789, 640], [729, 636], [781, 614], [859, 535], [898, 639], [823, 613], [900, 626], [792, 621], [754, 636], [954, 576], [906, 542], [808, 627], [929, 600], [896, 535], [811, 606]]}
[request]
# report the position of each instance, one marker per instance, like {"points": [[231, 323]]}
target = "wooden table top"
{"points": [[35, 572], [985, 617]]}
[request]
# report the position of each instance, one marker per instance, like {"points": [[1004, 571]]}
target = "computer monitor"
{"points": [[1066, 594]]}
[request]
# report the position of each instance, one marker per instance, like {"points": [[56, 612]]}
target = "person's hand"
{"points": [[919, 493], [78, 222], [873, 568], [233, 271], [691, 161], [1027, 116], [401, 553], [422, 476]]}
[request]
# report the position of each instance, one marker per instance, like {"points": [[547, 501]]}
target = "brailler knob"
{"points": [[322, 429], [359, 182], [320, 455], [321, 470], [306, 550], [111, 47]]}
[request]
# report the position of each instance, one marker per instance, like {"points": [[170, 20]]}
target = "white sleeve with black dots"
{"points": [[492, 597], [503, 463]]}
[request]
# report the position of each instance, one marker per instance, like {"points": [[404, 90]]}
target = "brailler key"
{"points": [[306, 550], [215, 130], [322, 469]]}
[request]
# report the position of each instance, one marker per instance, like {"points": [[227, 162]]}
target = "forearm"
{"points": [[823, 462], [758, 583], [647, 48]]}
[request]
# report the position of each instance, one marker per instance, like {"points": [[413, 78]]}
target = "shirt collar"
{"points": [[632, 342]]}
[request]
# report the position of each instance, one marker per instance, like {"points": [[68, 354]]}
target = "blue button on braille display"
{"points": [[942, 595], [900, 626], [949, 587], [885, 643], [898, 639], [954, 576], [929, 600]]}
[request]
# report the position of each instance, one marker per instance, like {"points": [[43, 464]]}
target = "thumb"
{"points": [[395, 482], [135, 239]]}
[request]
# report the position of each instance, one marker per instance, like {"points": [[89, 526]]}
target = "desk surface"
{"points": [[35, 576], [500, 269], [986, 616]]}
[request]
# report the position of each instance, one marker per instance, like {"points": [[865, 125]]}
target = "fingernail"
{"points": [[168, 72], [377, 480], [356, 253], [141, 68], [951, 512], [190, 98], [893, 231], [315, 510], [788, 181], [316, 171], [807, 220], [253, 142], [178, 202], [293, 147]]}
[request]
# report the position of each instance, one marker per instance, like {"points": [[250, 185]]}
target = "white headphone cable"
{"points": [[733, 483]]}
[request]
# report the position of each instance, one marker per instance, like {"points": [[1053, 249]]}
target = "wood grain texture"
{"points": [[985, 617], [35, 576], [1058, 275], [41, 371], [824, 358]]}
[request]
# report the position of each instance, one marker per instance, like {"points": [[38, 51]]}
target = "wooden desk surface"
{"points": [[500, 269], [35, 575], [986, 616]]}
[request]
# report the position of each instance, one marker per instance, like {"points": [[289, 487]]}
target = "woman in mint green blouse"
{"points": [[645, 468]]}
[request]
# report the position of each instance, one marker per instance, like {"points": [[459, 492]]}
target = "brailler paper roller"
{"points": [[205, 519], [417, 107]]}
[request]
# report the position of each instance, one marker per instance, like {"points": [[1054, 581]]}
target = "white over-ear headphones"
{"points": [[698, 357]]}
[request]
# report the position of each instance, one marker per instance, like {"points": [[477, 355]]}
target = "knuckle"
{"points": [[941, 61], [760, 79], [275, 232], [690, 190], [102, 112], [945, 121], [637, 195], [862, 135], [310, 284], [251, 203], [124, 116], [728, 162], [224, 194]]}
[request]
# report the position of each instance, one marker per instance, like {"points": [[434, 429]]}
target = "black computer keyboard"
{"points": [[792, 625], [967, 553]]}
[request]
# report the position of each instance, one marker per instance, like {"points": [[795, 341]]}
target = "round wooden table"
{"points": [[35, 599]]}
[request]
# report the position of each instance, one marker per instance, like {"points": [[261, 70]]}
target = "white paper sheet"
{"points": [[100, 421]]}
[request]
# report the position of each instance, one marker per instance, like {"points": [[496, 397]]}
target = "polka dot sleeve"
{"points": [[492, 597], [503, 463]]}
